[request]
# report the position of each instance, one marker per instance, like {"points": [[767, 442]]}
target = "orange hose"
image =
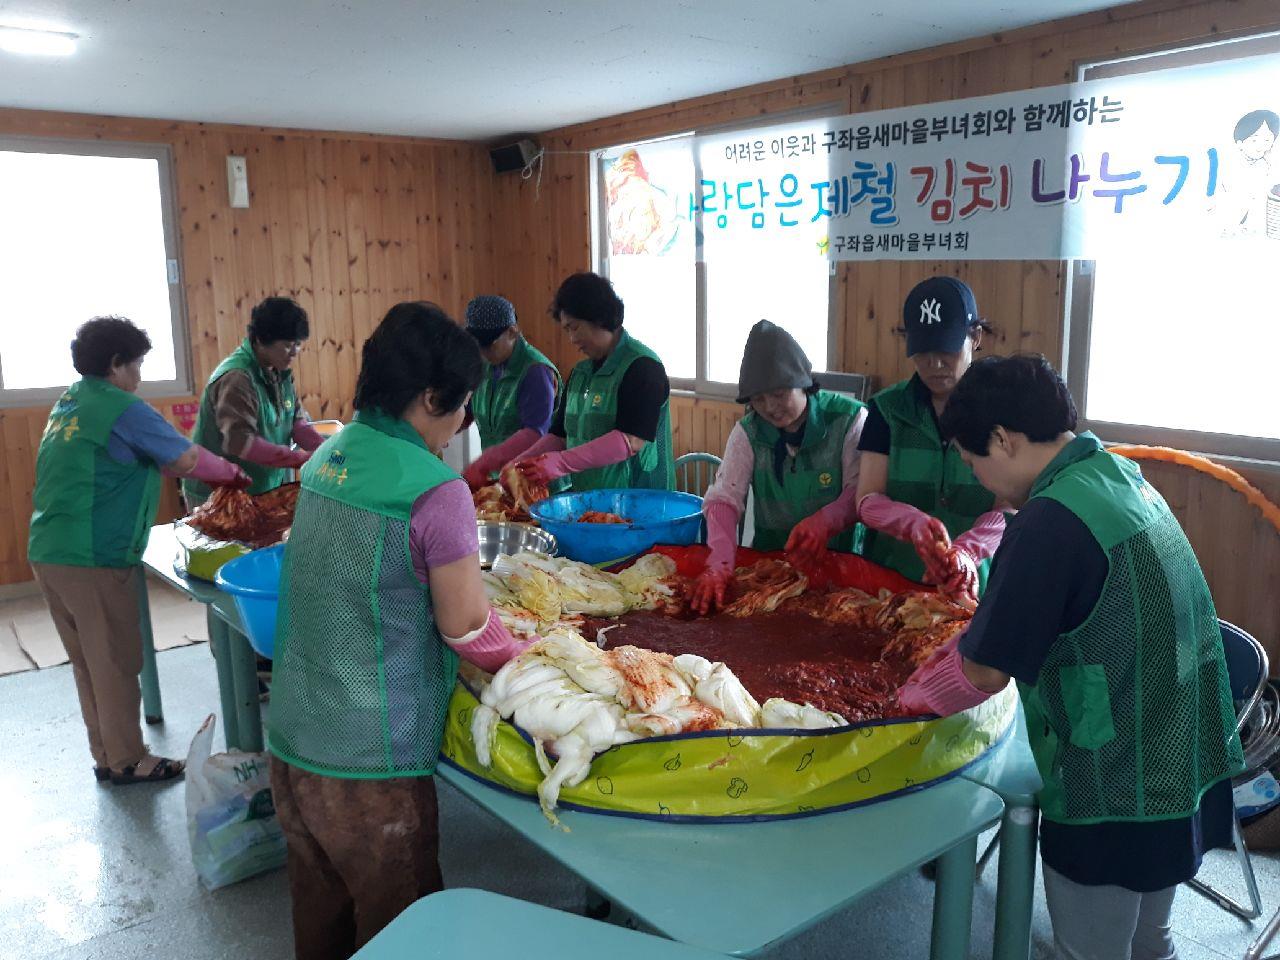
{"points": [[1206, 466]]}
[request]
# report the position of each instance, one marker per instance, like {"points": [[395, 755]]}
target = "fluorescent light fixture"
{"points": [[48, 43]]}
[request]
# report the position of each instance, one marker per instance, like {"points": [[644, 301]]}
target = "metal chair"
{"points": [[698, 464], [1247, 671], [1265, 937]]}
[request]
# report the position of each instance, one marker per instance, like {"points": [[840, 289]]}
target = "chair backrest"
{"points": [[695, 472], [1247, 668]]}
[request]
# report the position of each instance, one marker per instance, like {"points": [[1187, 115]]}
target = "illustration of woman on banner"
{"points": [[642, 217]]}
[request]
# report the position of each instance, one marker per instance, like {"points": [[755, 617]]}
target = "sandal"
{"points": [[165, 769]]}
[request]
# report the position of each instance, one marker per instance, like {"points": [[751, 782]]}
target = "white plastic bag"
{"points": [[231, 820]]}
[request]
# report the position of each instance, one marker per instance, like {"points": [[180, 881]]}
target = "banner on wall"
{"points": [[1173, 158]]}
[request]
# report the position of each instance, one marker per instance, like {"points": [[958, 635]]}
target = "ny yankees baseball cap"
{"points": [[938, 315]]}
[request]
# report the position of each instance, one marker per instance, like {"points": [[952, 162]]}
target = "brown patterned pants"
{"points": [[360, 851]]}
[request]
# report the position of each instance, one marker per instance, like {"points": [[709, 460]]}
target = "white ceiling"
{"points": [[471, 69]]}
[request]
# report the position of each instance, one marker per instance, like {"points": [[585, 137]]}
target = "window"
{"points": [[692, 289], [1182, 352], [87, 229]]}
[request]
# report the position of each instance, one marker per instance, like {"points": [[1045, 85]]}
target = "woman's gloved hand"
{"points": [[711, 588]]}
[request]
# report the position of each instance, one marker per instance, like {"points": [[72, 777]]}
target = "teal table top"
{"points": [[461, 924], [704, 885], [159, 557]]}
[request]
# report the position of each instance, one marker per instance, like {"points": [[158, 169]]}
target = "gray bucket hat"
{"points": [[772, 360]]}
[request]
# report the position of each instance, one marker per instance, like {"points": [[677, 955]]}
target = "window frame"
{"points": [[162, 153], [701, 385], [1078, 311]]}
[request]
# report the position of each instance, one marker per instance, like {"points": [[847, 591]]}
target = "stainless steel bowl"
{"points": [[497, 539]]}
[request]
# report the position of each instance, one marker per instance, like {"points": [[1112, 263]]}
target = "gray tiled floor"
{"points": [[91, 871]]}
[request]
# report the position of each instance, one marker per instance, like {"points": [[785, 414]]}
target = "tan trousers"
{"points": [[360, 852], [95, 610]]}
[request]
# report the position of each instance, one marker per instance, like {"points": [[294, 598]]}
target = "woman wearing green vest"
{"points": [[927, 516], [96, 493], [249, 411], [613, 425], [380, 592], [1097, 607], [517, 395], [796, 450]]}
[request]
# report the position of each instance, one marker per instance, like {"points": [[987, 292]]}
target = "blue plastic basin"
{"points": [[254, 581], [657, 516]]}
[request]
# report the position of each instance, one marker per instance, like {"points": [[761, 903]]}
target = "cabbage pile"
{"points": [[576, 700], [534, 594]]}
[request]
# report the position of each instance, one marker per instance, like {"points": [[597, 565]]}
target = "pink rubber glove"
{"points": [[960, 582], [899, 520], [306, 436], [809, 537], [712, 585], [904, 522], [969, 550], [217, 472], [549, 443], [981, 540], [600, 452], [490, 646], [274, 455], [493, 459], [940, 686]]}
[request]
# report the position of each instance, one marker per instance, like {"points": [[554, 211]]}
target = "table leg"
{"points": [[953, 902], [149, 677], [244, 671], [220, 642], [1015, 886]]}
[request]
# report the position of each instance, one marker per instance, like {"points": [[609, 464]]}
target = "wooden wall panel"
{"points": [[346, 224]]}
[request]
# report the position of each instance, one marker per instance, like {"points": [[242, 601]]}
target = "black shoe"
{"points": [[165, 769]]}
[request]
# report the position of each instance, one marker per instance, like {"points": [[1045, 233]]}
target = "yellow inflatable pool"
{"points": [[745, 774]]}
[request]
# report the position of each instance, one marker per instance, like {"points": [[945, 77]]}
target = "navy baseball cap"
{"points": [[938, 315], [488, 317]]}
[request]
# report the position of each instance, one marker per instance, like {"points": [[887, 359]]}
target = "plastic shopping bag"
{"points": [[231, 820]]}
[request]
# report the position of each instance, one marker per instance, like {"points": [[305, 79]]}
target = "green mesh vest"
{"points": [[591, 411], [276, 413], [926, 473], [811, 479], [90, 511], [362, 678], [1131, 715], [494, 404]]}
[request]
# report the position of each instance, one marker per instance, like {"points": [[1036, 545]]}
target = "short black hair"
{"points": [[278, 318], [1248, 125], [1023, 394], [589, 297], [417, 347], [102, 341]]}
